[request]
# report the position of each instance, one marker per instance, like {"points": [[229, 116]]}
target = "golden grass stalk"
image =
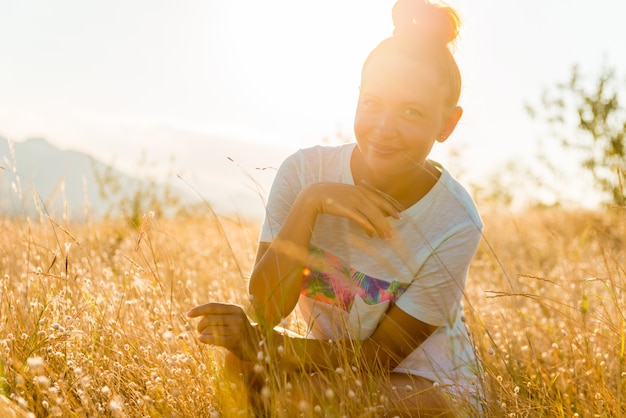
{"points": [[92, 319]]}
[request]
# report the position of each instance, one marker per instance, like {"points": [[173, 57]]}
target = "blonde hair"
{"points": [[425, 31]]}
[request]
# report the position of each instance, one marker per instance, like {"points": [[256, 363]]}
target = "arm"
{"points": [[276, 280], [397, 335], [395, 338], [434, 297], [277, 276], [227, 326]]}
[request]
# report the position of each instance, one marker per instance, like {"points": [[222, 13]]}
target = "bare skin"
{"points": [[395, 394]]}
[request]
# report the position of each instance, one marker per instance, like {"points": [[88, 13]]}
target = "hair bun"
{"points": [[420, 18]]}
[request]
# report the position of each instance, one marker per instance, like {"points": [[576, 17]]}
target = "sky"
{"points": [[119, 78]]}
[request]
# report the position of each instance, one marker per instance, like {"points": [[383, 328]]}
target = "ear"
{"points": [[450, 121]]}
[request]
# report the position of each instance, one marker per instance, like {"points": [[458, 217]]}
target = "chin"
{"points": [[385, 168]]}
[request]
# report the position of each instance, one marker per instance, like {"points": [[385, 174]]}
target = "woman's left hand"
{"points": [[228, 326]]}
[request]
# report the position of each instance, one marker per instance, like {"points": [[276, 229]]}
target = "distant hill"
{"points": [[35, 172]]}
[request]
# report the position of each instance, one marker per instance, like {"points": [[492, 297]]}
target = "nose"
{"points": [[386, 124]]}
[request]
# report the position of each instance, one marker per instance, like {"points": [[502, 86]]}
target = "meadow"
{"points": [[92, 316]]}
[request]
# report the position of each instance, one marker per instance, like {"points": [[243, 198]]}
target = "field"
{"points": [[92, 316]]}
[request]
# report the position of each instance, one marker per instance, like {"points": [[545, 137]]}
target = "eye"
{"points": [[368, 103], [412, 112]]}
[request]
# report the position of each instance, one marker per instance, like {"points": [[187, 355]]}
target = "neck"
{"points": [[407, 188]]}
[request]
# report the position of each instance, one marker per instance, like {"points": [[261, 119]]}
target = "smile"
{"points": [[383, 150]]}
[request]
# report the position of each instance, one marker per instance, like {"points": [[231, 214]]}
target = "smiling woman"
{"points": [[372, 242], [402, 108]]}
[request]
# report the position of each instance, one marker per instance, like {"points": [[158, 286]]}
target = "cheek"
{"points": [[362, 123]]}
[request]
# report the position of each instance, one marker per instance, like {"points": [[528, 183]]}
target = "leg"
{"points": [[296, 393], [240, 388], [253, 389], [415, 396], [398, 394]]}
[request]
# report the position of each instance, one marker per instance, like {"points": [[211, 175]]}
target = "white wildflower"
{"points": [[35, 363], [329, 393]]}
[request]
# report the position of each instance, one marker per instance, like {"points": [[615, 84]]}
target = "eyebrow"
{"points": [[420, 105]]}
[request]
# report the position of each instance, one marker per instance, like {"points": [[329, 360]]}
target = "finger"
{"points": [[218, 330], [214, 308], [214, 320], [234, 341], [230, 342], [204, 327], [376, 220], [365, 224], [391, 205], [366, 213]]}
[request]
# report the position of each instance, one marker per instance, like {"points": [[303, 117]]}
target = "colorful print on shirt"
{"points": [[327, 280]]}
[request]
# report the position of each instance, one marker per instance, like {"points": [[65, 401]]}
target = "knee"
{"points": [[242, 371], [232, 363], [235, 368]]}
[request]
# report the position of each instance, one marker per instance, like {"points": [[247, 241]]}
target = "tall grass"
{"points": [[92, 318], [549, 313]]}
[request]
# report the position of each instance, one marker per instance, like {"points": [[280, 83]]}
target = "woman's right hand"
{"points": [[362, 204]]}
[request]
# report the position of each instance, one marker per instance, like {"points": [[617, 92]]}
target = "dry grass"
{"points": [[92, 316], [549, 313]]}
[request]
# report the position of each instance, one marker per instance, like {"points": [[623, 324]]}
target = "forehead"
{"points": [[402, 77]]}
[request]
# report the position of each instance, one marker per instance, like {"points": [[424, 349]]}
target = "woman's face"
{"points": [[400, 114]]}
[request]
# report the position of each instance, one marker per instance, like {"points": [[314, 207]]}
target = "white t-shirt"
{"points": [[352, 279]]}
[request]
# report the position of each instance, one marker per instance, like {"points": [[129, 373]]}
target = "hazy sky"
{"points": [[106, 76]]}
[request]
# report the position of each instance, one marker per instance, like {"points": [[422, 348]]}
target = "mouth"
{"points": [[383, 150]]}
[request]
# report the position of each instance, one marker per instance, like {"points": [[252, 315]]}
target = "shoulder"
{"points": [[318, 159], [457, 201], [320, 152]]}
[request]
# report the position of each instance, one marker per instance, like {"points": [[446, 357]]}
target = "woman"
{"points": [[372, 240]]}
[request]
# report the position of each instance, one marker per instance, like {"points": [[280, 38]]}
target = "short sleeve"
{"points": [[285, 188], [436, 292]]}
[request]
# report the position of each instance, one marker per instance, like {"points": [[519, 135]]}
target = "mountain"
{"points": [[37, 174], [34, 173]]}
